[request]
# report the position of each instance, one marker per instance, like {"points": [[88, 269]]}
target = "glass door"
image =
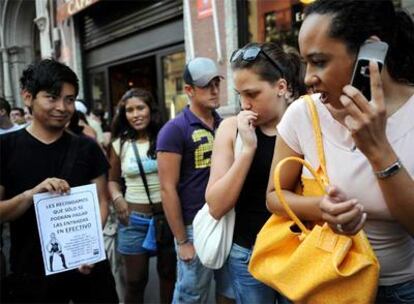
{"points": [[172, 67], [98, 92]]}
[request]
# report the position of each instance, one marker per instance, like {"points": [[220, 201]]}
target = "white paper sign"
{"points": [[70, 228]]}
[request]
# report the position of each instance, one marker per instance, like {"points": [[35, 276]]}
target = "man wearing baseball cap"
{"points": [[184, 148]]}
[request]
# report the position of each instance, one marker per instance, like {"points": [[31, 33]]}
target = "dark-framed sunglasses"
{"points": [[250, 54]]}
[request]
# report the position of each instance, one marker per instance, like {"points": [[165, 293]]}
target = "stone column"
{"points": [[230, 11], [42, 22], [7, 87], [232, 35]]}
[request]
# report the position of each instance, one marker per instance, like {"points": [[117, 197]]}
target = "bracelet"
{"points": [[389, 171], [116, 198], [182, 242]]}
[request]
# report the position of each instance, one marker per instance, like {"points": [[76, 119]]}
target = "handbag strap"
{"points": [[322, 179], [142, 173], [279, 193], [318, 136], [238, 144]]}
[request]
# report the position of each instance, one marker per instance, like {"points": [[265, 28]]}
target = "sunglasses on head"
{"points": [[250, 54]]}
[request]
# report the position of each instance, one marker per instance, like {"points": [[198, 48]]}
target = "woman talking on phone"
{"points": [[267, 78], [136, 125], [368, 142]]}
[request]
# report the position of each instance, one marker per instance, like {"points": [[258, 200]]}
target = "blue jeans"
{"points": [[194, 280], [398, 293], [247, 289]]}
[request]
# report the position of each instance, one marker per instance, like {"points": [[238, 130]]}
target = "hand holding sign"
{"points": [[70, 228]]}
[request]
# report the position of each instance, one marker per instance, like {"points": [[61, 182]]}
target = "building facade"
{"points": [[19, 44], [115, 45]]}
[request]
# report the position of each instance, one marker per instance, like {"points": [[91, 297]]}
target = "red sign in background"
{"points": [[204, 8]]}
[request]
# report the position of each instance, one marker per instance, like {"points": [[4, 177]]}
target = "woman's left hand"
{"points": [[343, 215], [366, 120], [245, 126]]}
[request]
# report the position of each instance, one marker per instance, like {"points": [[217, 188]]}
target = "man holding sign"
{"points": [[45, 158]]}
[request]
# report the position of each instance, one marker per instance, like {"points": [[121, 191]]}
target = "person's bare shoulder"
{"points": [[228, 125]]}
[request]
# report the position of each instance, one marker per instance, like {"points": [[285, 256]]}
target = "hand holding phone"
{"points": [[372, 50]]}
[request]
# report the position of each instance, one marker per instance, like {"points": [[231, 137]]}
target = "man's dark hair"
{"points": [[18, 109], [354, 21], [47, 75], [74, 124], [4, 105], [29, 109]]}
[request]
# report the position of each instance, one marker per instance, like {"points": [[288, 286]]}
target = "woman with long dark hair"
{"points": [[136, 126]]}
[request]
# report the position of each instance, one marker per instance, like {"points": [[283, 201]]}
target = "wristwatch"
{"points": [[389, 171], [182, 242]]}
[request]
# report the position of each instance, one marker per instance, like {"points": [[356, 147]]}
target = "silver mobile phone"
{"points": [[375, 50]]}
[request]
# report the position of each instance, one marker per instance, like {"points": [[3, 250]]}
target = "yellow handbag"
{"points": [[314, 265]]}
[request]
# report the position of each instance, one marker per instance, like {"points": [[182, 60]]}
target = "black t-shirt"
{"points": [[24, 163], [251, 211]]}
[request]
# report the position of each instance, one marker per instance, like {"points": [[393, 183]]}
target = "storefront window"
{"points": [[175, 99], [280, 21], [98, 93], [407, 5], [275, 21]]}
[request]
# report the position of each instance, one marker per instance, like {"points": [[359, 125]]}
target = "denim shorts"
{"points": [[131, 237], [398, 293], [194, 280]]}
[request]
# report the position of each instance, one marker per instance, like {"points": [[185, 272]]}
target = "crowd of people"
{"points": [[154, 175]]}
